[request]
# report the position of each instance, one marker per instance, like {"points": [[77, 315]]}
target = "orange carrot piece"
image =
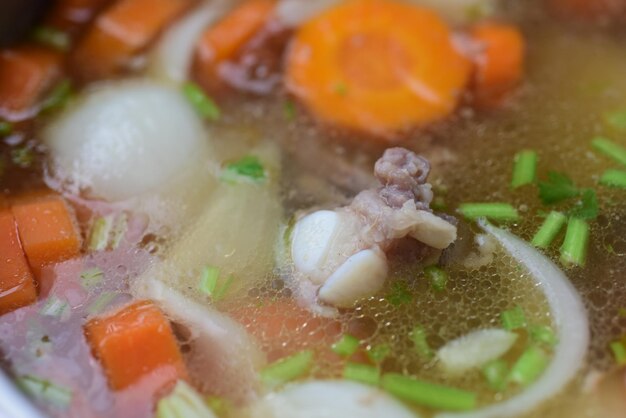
{"points": [[70, 15], [377, 66], [17, 285], [26, 73], [499, 67], [222, 41], [119, 33], [133, 343], [48, 231]]}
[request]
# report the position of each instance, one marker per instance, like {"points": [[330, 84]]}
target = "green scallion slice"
{"points": [[418, 336], [92, 277], [45, 390], [247, 168], [528, 366], [51, 37], [610, 149], [494, 211], [524, 168], [287, 369], [204, 105], [362, 373], [99, 235], [496, 373], [619, 352], [56, 307], [574, 248], [58, 97], [346, 346], [614, 178], [543, 334], [6, 128], [185, 402], [378, 353], [23, 156], [437, 276], [101, 303], [549, 230], [513, 319], [208, 280], [428, 394], [118, 231]]}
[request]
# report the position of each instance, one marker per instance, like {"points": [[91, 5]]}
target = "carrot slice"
{"points": [[70, 15], [377, 66], [133, 343], [26, 73], [48, 231], [499, 67], [17, 285], [222, 41], [119, 33]]}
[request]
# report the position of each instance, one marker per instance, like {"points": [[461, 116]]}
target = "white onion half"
{"points": [[570, 318], [126, 139], [172, 56]]}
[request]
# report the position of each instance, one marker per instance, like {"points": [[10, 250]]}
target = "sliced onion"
{"points": [[570, 318], [172, 56]]}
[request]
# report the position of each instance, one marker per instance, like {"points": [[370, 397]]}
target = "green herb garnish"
{"points": [[587, 208], [58, 97], [399, 294], [494, 211], [543, 334], [524, 168], [557, 188], [248, 167], [362, 373], [287, 369], [204, 105], [428, 394], [614, 178], [495, 373], [378, 353], [418, 336], [346, 346], [51, 37], [437, 276], [513, 319], [528, 366], [610, 149]]}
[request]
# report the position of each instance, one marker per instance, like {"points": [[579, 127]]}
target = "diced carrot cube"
{"points": [[133, 343], [120, 32], [26, 73], [47, 230], [17, 285]]}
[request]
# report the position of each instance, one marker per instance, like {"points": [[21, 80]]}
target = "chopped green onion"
{"points": [[616, 119], [543, 334], [52, 37], [208, 280], [219, 405], [494, 211], [496, 373], [99, 235], [378, 353], [92, 277], [101, 302], [23, 156], [6, 128], [118, 231], [287, 369], [289, 110], [524, 168], [58, 97], [574, 248], [204, 105], [45, 390], [610, 149], [558, 187], [614, 178], [428, 394], [438, 277], [362, 373], [549, 230], [399, 293], [346, 346], [56, 307], [528, 366], [185, 402], [248, 167], [219, 294], [418, 336], [513, 319], [619, 352]]}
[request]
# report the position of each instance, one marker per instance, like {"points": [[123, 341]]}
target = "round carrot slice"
{"points": [[377, 66], [499, 66]]}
